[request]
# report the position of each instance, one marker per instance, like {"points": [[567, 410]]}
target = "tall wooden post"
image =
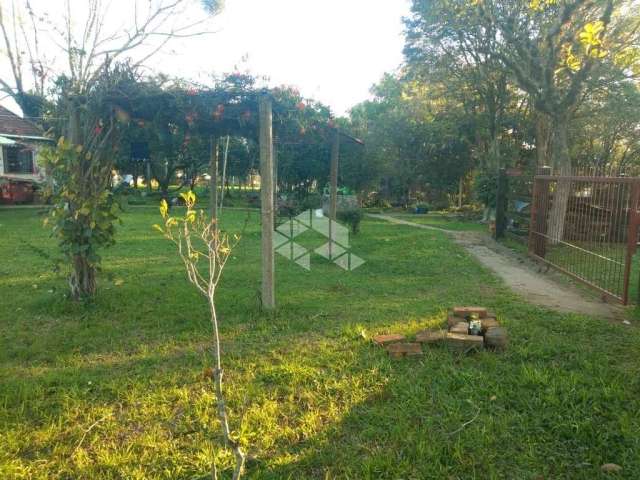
{"points": [[213, 172], [335, 158], [275, 176], [148, 174], [266, 197]]}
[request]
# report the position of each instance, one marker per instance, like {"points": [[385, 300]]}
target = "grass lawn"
{"points": [[446, 222], [115, 390]]}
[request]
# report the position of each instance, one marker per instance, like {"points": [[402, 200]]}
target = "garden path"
{"points": [[520, 274]]}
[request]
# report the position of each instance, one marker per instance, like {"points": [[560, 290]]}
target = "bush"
{"points": [[485, 187], [352, 218], [312, 201], [422, 208], [375, 200], [253, 199]]}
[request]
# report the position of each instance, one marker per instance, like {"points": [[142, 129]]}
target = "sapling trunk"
{"points": [[220, 401], [197, 239]]}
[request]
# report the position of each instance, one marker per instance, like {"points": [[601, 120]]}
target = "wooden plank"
{"points": [[266, 197]]}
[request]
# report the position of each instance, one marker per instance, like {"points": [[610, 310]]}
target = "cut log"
{"points": [[397, 350], [497, 338], [387, 339], [460, 327], [464, 312], [452, 320], [464, 342], [431, 336]]}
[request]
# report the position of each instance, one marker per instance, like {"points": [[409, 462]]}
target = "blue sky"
{"points": [[331, 50]]}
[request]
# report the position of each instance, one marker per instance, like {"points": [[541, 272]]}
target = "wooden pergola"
{"points": [[242, 123]]}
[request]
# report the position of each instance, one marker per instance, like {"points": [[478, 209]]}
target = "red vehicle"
{"points": [[16, 191]]}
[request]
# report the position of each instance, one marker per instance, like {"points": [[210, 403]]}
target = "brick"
{"points": [[387, 339], [497, 338], [464, 312], [431, 336], [460, 327], [489, 322], [397, 350], [464, 342]]}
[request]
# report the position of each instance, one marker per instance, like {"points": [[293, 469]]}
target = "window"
{"points": [[17, 160]]}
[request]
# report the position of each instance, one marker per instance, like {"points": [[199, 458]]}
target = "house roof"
{"points": [[11, 124]]}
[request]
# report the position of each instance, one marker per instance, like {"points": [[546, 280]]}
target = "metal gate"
{"points": [[587, 227]]}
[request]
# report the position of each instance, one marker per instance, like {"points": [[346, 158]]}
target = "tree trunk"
{"points": [[164, 191], [562, 165], [82, 280], [220, 401], [148, 176], [543, 138]]}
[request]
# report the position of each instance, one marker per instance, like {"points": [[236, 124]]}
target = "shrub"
{"points": [[352, 218]]}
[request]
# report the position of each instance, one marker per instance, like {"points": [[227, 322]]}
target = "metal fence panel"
{"points": [[586, 227]]}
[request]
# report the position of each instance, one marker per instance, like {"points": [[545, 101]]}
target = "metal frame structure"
{"points": [[587, 228]]}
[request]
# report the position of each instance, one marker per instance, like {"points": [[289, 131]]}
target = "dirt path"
{"points": [[521, 276]]}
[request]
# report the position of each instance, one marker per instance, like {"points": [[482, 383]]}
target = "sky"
{"points": [[331, 50]]}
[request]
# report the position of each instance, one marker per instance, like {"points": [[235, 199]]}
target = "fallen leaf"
{"points": [[118, 282]]}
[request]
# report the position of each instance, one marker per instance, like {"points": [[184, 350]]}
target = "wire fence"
{"points": [[586, 225]]}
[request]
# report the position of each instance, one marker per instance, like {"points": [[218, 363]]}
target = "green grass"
{"points": [[114, 390], [444, 221]]}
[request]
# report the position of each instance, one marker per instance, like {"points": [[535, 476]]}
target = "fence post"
{"points": [[502, 200], [539, 207], [266, 204], [632, 238]]}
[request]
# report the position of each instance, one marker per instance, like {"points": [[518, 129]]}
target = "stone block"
{"points": [[431, 336], [460, 327], [497, 338], [489, 322], [464, 312], [397, 350], [464, 342], [388, 338]]}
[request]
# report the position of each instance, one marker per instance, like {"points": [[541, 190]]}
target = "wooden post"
{"points": [[148, 179], [266, 197], [275, 176], [213, 172], [460, 185], [501, 204], [335, 158]]}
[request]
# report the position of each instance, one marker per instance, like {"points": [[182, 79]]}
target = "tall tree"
{"points": [[90, 52]]}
